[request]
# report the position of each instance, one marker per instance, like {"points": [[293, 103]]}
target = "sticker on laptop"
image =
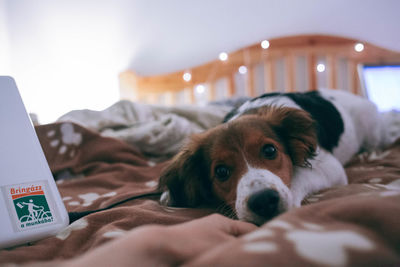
{"points": [[29, 205]]}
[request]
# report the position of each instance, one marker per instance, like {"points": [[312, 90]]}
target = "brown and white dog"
{"points": [[272, 152]]}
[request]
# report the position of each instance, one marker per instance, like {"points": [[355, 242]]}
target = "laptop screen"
{"points": [[381, 84]]}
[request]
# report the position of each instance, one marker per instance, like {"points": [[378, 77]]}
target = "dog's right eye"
{"points": [[269, 151], [222, 173]]}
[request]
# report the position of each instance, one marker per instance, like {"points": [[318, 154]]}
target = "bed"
{"points": [[109, 161]]}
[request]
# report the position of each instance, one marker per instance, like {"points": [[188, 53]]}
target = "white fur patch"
{"points": [[326, 172], [269, 101], [165, 200], [253, 181]]}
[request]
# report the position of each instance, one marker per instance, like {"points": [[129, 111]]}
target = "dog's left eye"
{"points": [[222, 173], [269, 151]]}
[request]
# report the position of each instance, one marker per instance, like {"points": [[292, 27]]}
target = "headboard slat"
{"points": [[250, 86], [290, 72], [312, 75], [269, 75], [331, 62]]}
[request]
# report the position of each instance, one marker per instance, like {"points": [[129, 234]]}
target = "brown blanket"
{"points": [[357, 224]]}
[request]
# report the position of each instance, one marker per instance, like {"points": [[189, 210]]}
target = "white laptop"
{"points": [[30, 204], [381, 84]]}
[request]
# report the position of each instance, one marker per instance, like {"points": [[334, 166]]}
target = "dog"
{"points": [[272, 152]]}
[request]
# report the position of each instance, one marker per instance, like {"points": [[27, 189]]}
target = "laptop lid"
{"points": [[381, 85], [31, 207]]}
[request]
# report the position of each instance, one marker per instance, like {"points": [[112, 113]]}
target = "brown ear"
{"points": [[187, 177], [297, 130]]}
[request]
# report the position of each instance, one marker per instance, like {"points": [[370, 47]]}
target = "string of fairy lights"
{"points": [[265, 44]]}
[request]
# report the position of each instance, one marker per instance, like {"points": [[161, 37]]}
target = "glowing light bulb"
{"points": [[359, 47], [200, 89], [265, 44], [223, 56], [320, 67], [187, 76], [242, 70]]}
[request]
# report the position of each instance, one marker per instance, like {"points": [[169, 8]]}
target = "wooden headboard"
{"points": [[295, 63]]}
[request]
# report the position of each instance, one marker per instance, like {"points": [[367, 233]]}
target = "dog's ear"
{"points": [[187, 177], [297, 130]]}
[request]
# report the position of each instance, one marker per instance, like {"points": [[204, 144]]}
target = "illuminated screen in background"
{"points": [[382, 86]]}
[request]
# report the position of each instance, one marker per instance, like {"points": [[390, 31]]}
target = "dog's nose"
{"points": [[264, 203]]}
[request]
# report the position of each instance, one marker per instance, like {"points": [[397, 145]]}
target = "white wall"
{"points": [[4, 42], [67, 54]]}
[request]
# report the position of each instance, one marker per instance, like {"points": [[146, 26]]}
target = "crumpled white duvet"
{"points": [[158, 131]]}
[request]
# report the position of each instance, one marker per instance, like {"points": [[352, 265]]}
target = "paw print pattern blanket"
{"points": [[353, 225]]}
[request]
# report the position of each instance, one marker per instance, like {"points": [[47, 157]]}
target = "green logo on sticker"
{"points": [[31, 206]]}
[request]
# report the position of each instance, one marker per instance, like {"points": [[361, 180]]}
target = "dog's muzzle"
{"points": [[264, 203]]}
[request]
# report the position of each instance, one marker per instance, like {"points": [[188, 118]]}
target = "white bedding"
{"points": [[157, 131]]}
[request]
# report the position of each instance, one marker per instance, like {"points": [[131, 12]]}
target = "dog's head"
{"points": [[246, 164]]}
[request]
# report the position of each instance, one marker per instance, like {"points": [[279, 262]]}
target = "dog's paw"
{"points": [[391, 122], [296, 202], [165, 199]]}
